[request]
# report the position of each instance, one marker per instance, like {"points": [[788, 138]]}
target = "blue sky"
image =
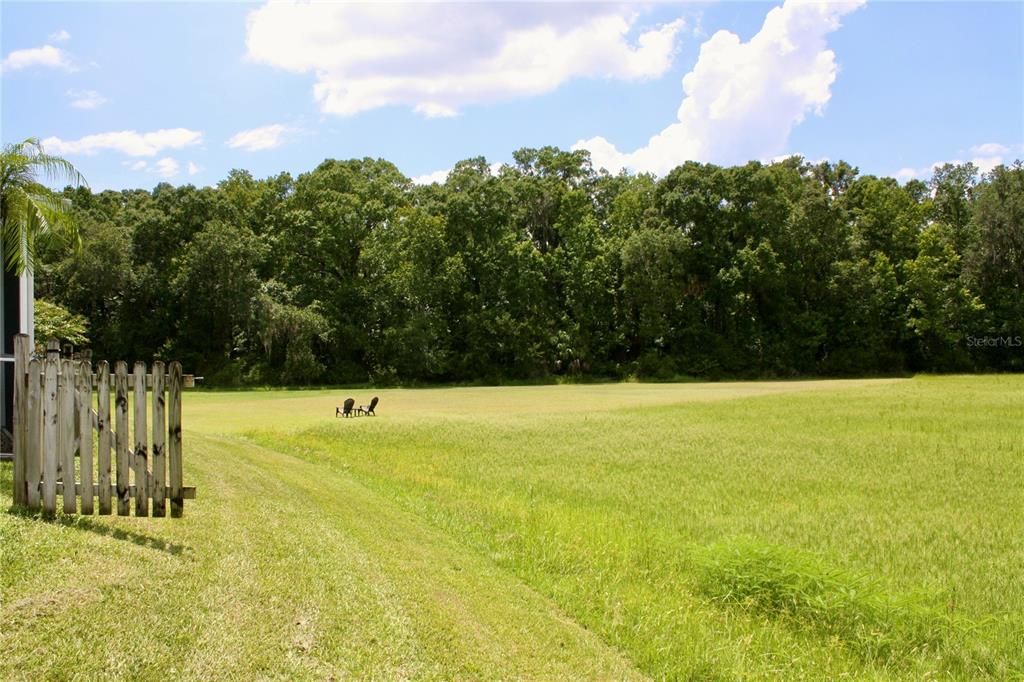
{"points": [[138, 93]]}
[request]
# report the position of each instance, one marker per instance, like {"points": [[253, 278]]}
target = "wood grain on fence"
{"points": [[85, 461], [33, 436], [103, 431], [121, 434], [174, 440], [50, 431], [66, 432], [141, 443], [159, 437]]}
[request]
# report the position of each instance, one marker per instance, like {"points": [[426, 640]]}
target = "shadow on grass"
{"points": [[86, 523], [92, 525]]}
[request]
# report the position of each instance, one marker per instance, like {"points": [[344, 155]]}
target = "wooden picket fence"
{"points": [[54, 422]]}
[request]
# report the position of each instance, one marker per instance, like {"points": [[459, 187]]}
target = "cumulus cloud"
{"points": [[430, 178], [438, 57], [742, 99], [86, 99], [258, 139], [60, 36], [441, 176], [193, 168], [128, 142], [990, 149], [166, 167], [984, 156], [46, 56]]}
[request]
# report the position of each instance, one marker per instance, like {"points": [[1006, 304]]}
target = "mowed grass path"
{"points": [[867, 529]]}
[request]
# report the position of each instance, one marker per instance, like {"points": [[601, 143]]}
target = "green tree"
{"points": [[56, 322], [942, 309], [97, 282], [293, 337], [995, 262], [319, 239], [217, 284], [411, 279]]}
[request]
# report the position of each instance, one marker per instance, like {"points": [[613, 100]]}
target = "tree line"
{"points": [[352, 273]]}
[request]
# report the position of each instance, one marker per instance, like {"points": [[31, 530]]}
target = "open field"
{"points": [[819, 530]]}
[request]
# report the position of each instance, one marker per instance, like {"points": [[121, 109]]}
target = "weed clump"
{"points": [[849, 609]]}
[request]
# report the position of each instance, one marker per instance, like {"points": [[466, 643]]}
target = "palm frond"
{"points": [[34, 158], [56, 169], [29, 211]]}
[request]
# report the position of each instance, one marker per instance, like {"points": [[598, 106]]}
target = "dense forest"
{"points": [[352, 273]]}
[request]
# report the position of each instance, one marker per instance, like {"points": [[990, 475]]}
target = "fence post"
{"points": [[103, 427], [21, 352], [84, 386], [142, 482], [121, 433], [174, 441], [33, 427], [50, 427]]}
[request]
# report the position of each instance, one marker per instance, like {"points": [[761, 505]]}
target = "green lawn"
{"points": [[861, 529]]}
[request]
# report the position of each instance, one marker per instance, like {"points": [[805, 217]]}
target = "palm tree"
{"points": [[30, 212]]}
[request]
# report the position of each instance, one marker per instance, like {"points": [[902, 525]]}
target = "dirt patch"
{"points": [[48, 604]]}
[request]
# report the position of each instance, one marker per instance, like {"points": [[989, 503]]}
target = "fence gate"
{"points": [[54, 443]]}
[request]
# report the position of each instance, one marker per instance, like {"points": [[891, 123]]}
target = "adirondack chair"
{"points": [[346, 409], [368, 409]]}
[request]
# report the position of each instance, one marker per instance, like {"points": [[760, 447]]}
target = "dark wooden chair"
{"points": [[368, 409], [346, 409]]}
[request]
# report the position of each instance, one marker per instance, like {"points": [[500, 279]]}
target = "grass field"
{"points": [[816, 530]]}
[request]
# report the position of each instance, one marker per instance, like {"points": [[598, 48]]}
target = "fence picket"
{"points": [[33, 428], [142, 482], [174, 440], [103, 429], [65, 433], [159, 436], [121, 435], [84, 386], [50, 433]]}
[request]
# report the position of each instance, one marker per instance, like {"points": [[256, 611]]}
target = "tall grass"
{"points": [[881, 524], [806, 530], [849, 609]]}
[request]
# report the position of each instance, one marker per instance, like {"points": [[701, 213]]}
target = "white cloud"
{"points": [[986, 157], [60, 36], [434, 110], [438, 57], [990, 149], [985, 164], [906, 174], [47, 56], [257, 139], [85, 99], [742, 99], [430, 178], [441, 176], [127, 142], [166, 167]]}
